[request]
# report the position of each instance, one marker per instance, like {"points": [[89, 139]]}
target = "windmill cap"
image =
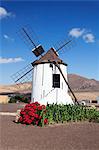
{"points": [[38, 50], [50, 56]]}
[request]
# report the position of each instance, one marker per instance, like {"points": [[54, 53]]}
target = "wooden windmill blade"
{"points": [[30, 38], [23, 78], [66, 44]]}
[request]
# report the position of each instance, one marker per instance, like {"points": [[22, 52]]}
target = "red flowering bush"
{"points": [[33, 113]]}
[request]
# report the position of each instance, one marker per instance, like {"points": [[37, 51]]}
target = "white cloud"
{"points": [[76, 32], [89, 38], [10, 60], [7, 37], [4, 13], [86, 35]]}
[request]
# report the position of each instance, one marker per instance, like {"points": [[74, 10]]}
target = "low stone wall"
{"points": [[4, 99]]}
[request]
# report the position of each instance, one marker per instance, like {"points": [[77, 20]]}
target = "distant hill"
{"points": [[79, 83], [21, 88]]}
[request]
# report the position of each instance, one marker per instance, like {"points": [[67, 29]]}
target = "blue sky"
{"points": [[52, 22]]}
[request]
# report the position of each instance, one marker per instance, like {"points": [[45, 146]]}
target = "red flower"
{"points": [[45, 121], [36, 116], [22, 112], [29, 121], [36, 122], [36, 103], [32, 118], [32, 114], [26, 116], [34, 107], [39, 107]]}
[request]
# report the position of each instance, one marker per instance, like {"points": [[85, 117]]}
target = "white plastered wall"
{"points": [[42, 90]]}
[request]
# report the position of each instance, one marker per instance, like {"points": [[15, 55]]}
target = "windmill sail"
{"points": [[62, 46], [23, 78], [30, 38]]}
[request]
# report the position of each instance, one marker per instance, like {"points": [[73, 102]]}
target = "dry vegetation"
{"points": [[86, 95]]}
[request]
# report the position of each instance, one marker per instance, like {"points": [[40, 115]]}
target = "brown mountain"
{"points": [[83, 88], [79, 83]]}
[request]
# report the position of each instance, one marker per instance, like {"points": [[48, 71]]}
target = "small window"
{"points": [[56, 80]]}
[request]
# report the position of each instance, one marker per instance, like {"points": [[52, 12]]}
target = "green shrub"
{"points": [[64, 113], [19, 98], [41, 115]]}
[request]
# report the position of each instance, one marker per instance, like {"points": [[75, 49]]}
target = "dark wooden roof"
{"points": [[50, 56]]}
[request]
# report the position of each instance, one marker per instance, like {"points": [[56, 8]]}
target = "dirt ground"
{"points": [[70, 136], [11, 107]]}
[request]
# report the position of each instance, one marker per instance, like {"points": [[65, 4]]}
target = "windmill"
{"points": [[49, 74]]}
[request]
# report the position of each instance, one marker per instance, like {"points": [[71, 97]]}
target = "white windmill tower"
{"points": [[49, 76], [48, 83]]}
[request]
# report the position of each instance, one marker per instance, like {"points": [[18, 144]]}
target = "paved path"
{"points": [[7, 114]]}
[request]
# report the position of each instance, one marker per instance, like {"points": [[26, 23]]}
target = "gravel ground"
{"points": [[70, 136], [11, 107]]}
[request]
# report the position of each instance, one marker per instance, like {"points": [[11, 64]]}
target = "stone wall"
{"points": [[4, 99]]}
